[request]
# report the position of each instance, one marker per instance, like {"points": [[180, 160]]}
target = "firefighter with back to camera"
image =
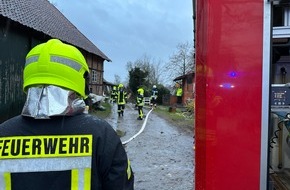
{"points": [[153, 98], [121, 99], [53, 145]]}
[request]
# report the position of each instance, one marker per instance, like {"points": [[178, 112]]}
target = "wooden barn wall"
{"points": [[100, 70], [15, 42], [95, 64], [13, 49]]}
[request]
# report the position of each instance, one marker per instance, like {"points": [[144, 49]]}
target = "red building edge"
{"points": [[232, 62]]}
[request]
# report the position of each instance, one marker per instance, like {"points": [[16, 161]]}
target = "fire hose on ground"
{"points": [[140, 131]]}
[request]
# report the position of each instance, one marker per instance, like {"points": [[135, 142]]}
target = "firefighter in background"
{"points": [[113, 95], [153, 98], [83, 151], [179, 93], [121, 99], [140, 103]]}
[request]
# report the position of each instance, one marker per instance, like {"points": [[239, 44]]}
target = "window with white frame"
{"points": [[94, 76]]}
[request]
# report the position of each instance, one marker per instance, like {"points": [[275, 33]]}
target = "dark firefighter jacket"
{"points": [[140, 100], [122, 97], [57, 154], [114, 94]]}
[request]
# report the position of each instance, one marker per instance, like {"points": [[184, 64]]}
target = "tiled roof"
{"points": [[44, 17], [184, 76]]}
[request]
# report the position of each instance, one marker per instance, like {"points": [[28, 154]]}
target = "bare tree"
{"points": [[117, 79], [182, 61], [153, 68]]}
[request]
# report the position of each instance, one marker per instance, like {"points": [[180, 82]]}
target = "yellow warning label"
{"points": [[45, 146]]}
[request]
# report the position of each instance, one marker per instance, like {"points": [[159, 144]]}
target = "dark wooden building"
{"points": [[23, 25]]}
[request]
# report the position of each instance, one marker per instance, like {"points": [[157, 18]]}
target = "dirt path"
{"points": [[161, 156]]}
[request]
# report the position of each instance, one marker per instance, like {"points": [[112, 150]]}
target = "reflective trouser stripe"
{"points": [[129, 170], [140, 111], [5, 179]]}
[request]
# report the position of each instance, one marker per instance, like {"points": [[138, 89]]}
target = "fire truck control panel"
{"points": [[279, 137], [280, 96]]}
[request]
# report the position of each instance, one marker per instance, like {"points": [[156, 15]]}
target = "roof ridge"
{"points": [[44, 17]]}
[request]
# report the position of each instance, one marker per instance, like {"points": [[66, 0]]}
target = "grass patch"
{"points": [[103, 113], [178, 117]]}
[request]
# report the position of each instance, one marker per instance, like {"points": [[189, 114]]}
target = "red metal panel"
{"points": [[228, 94]]}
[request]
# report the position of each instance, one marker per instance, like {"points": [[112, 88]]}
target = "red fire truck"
{"points": [[242, 94]]}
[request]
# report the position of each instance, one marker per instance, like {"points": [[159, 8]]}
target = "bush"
{"points": [[162, 90], [190, 106]]}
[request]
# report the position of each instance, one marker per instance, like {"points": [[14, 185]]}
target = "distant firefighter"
{"points": [[140, 103], [179, 93], [154, 95], [121, 99], [114, 95]]}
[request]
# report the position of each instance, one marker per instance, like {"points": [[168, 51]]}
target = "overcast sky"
{"points": [[126, 30]]}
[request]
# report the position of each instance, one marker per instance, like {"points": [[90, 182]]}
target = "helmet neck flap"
{"points": [[45, 101]]}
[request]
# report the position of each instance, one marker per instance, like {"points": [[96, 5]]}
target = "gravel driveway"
{"points": [[161, 156]]}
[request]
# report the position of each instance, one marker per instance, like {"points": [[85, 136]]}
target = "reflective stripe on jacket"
{"points": [[140, 100]]}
